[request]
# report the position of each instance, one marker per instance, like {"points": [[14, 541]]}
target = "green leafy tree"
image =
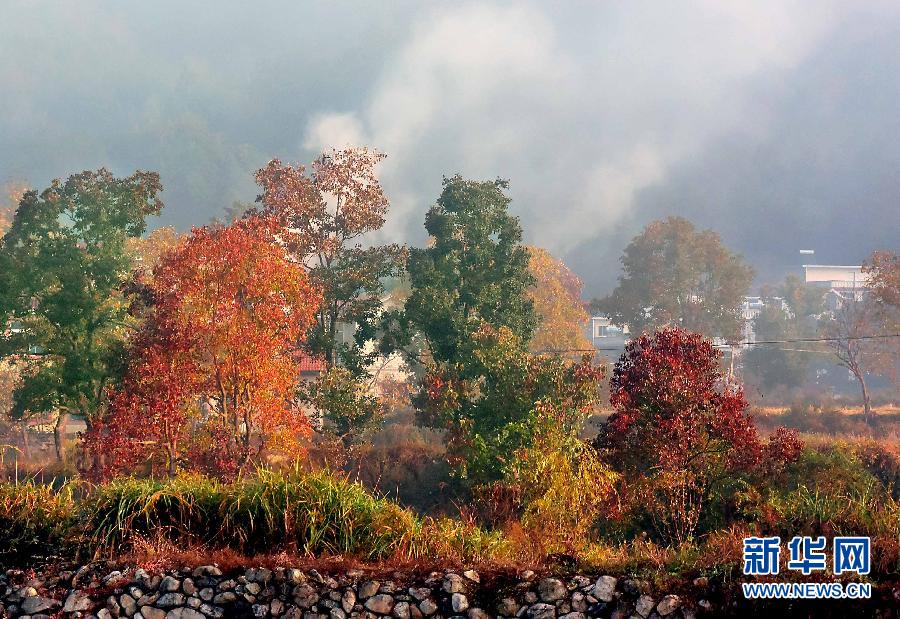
{"points": [[63, 266], [803, 299], [475, 271], [345, 405], [771, 364], [675, 275]]}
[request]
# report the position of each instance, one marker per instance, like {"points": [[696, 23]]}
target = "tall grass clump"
{"points": [[36, 522], [314, 513], [182, 509]]}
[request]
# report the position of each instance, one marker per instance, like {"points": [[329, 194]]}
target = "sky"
{"points": [[776, 124]]}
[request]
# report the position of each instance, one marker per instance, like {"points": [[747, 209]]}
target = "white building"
{"points": [[838, 282]]}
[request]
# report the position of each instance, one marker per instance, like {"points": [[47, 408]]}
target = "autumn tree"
{"points": [[678, 429], [323, 216], [63, 266], [474, 272], [882, 270], [556, 296], [212, 375], [675, 275]]}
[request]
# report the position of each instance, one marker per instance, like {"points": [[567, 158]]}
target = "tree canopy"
{"points": [[675, 275], [63, 267], [474, 272]]}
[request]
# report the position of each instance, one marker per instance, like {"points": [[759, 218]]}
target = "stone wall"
{"points": [[98, 591]]}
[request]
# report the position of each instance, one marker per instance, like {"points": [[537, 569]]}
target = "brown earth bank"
{"points": [[336, 591]]}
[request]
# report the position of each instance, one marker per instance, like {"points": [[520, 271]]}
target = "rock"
{"points": [[348, 600], [276, 607], [526, 575], [336, 613], [369, 588], [477, 613], [572, 616], [454, 583], [382, 604], [507, 607], [541, 611], [668, 605], [259, 575], [705, 605], [687, 613], [226, 597], [150, 612], [459, 602], [77, 601], [169, 584], [428, 607], [112, 605], [551, 589], [188, 586], [216, 612], [184, 613], [260, 610], [128, 604], [294, 576], [112, 577], [206, 570], [701, 582], [579, 603], [206, 594], [253, 588], [305, 595], [531, 597], [104, 613], [226, 585], [604, 588], [401, 610], [168, 600], [472, 575], [644, 606], [419, 593], [148, 599], [38, 603]]}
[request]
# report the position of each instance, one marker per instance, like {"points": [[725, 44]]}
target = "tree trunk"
{"points": [[25, 450], [867, 402], [59, 434]]}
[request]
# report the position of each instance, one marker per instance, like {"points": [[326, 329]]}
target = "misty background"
{"points": [[774, 123]]}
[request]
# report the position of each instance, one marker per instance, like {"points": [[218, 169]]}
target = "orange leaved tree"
{"points": [[212, 374]]}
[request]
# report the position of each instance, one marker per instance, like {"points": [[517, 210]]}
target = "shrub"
{"points": [[35, 522], [679, 431], [564, 484]]}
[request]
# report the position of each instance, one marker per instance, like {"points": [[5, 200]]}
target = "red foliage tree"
{"points": [[211, 376], [679, 428]]}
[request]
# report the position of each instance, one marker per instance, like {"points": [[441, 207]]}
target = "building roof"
{"points": [[311, 364]]}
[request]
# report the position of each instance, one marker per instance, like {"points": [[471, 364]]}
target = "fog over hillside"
{"points": [[775, 123]]}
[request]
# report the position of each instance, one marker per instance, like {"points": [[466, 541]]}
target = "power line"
{"points": [[745, 343]]}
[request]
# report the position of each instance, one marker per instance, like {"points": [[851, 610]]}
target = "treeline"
{"points": [[186, 354]]}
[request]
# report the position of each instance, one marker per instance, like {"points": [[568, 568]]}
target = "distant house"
{"points": [[839, 283], [751, 308], [607, 337], [310, 367]]}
